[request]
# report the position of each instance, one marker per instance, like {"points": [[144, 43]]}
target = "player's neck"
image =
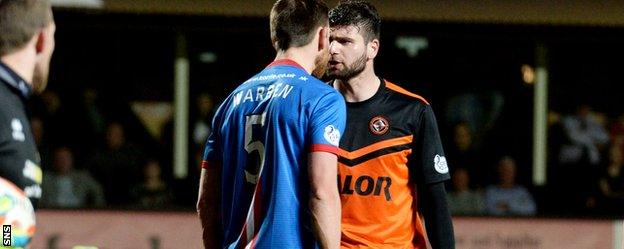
{"points": [[300, 55], [21, 63], [361, 87]]}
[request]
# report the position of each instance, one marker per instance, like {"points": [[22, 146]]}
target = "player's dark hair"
{"points": [[294, 22], [360, 14], [20, 20]]}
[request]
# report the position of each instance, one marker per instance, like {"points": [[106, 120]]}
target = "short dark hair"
{"points": [[293, 22], [357, 13], [20, 20]]}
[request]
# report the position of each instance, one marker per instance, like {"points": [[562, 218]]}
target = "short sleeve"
{"points": [[213, 150], [327, 123], [428, 149]]}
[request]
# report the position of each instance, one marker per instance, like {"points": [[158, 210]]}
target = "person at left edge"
{"points": [[26, 45]]}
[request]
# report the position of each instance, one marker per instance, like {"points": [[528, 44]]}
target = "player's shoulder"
{"points": [[324, 92], [8, 100], [403, 94], [5, 91], [323, 87]]}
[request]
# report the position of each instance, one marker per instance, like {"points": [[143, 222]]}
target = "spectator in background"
{"points": [[44, 148], [585, 135], [153, 192], [611, 183], [55, 115], [201, 126], [463, 154], [462, 199], [507, 197], [37, 129], [479, 111], [617, 132], [201, 130], [579, 158], [67, 187], [94, 121], [116, 165]]}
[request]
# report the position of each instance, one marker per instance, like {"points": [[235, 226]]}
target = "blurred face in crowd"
{"points": [[584, 110], [115, 137], [349, 53], [52, 101], [152, 170], [507, 172], [461, 179], [63, 160], [36, 126], [463, 138], [615, 155], [204, 104]]}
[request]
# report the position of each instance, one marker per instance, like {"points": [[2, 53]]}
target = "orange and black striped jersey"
{"points": [[391, 145]]}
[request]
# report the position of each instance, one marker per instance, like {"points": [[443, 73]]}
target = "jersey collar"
{"points": [[285, 62], [380, 90], [11, 78]]}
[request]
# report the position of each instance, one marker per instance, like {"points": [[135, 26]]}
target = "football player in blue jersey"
{"points": [[269, 169]]}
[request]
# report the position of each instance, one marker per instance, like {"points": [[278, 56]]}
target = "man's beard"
{"points": [[352, 70], [40, 78], [320, 64]]}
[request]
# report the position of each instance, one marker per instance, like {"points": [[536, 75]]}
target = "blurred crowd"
{"points": [[584, 175], [97, 154]]}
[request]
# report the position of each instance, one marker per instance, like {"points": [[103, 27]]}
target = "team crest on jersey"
{"points": [[332, 135], [379, 125]]}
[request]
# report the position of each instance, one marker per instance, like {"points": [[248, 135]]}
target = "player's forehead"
{"points": [[345, 31]]}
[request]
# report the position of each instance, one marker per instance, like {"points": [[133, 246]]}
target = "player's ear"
{"points": [[44, 39], [373, 48], [323, 34], [40, 41]]}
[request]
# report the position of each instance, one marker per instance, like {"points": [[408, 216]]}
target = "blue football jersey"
{"points": [[262, 134]]}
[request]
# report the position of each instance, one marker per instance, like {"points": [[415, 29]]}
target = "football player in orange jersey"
{"points": [[392, 166]]}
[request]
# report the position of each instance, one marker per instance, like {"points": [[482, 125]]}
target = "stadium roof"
{"points": [[525, 12]]}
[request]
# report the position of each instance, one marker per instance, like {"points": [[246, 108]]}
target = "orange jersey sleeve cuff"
{"points": [[325, 148]]}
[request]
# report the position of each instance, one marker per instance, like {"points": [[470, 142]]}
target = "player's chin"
{"points": [[333, 71]]}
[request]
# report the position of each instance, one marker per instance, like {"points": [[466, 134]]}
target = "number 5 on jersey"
{"points": [[254, 162]]}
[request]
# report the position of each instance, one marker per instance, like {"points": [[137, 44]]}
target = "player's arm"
{"points": [[324, 198], [209, 194], [327, 123], [432, 195], [438, 223], [208, 203]]}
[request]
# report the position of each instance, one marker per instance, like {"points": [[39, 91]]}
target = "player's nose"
{"points": [[333, 47]]}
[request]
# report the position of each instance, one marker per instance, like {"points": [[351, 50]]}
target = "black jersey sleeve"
{"points": [[428, 150], [438, 222]]}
